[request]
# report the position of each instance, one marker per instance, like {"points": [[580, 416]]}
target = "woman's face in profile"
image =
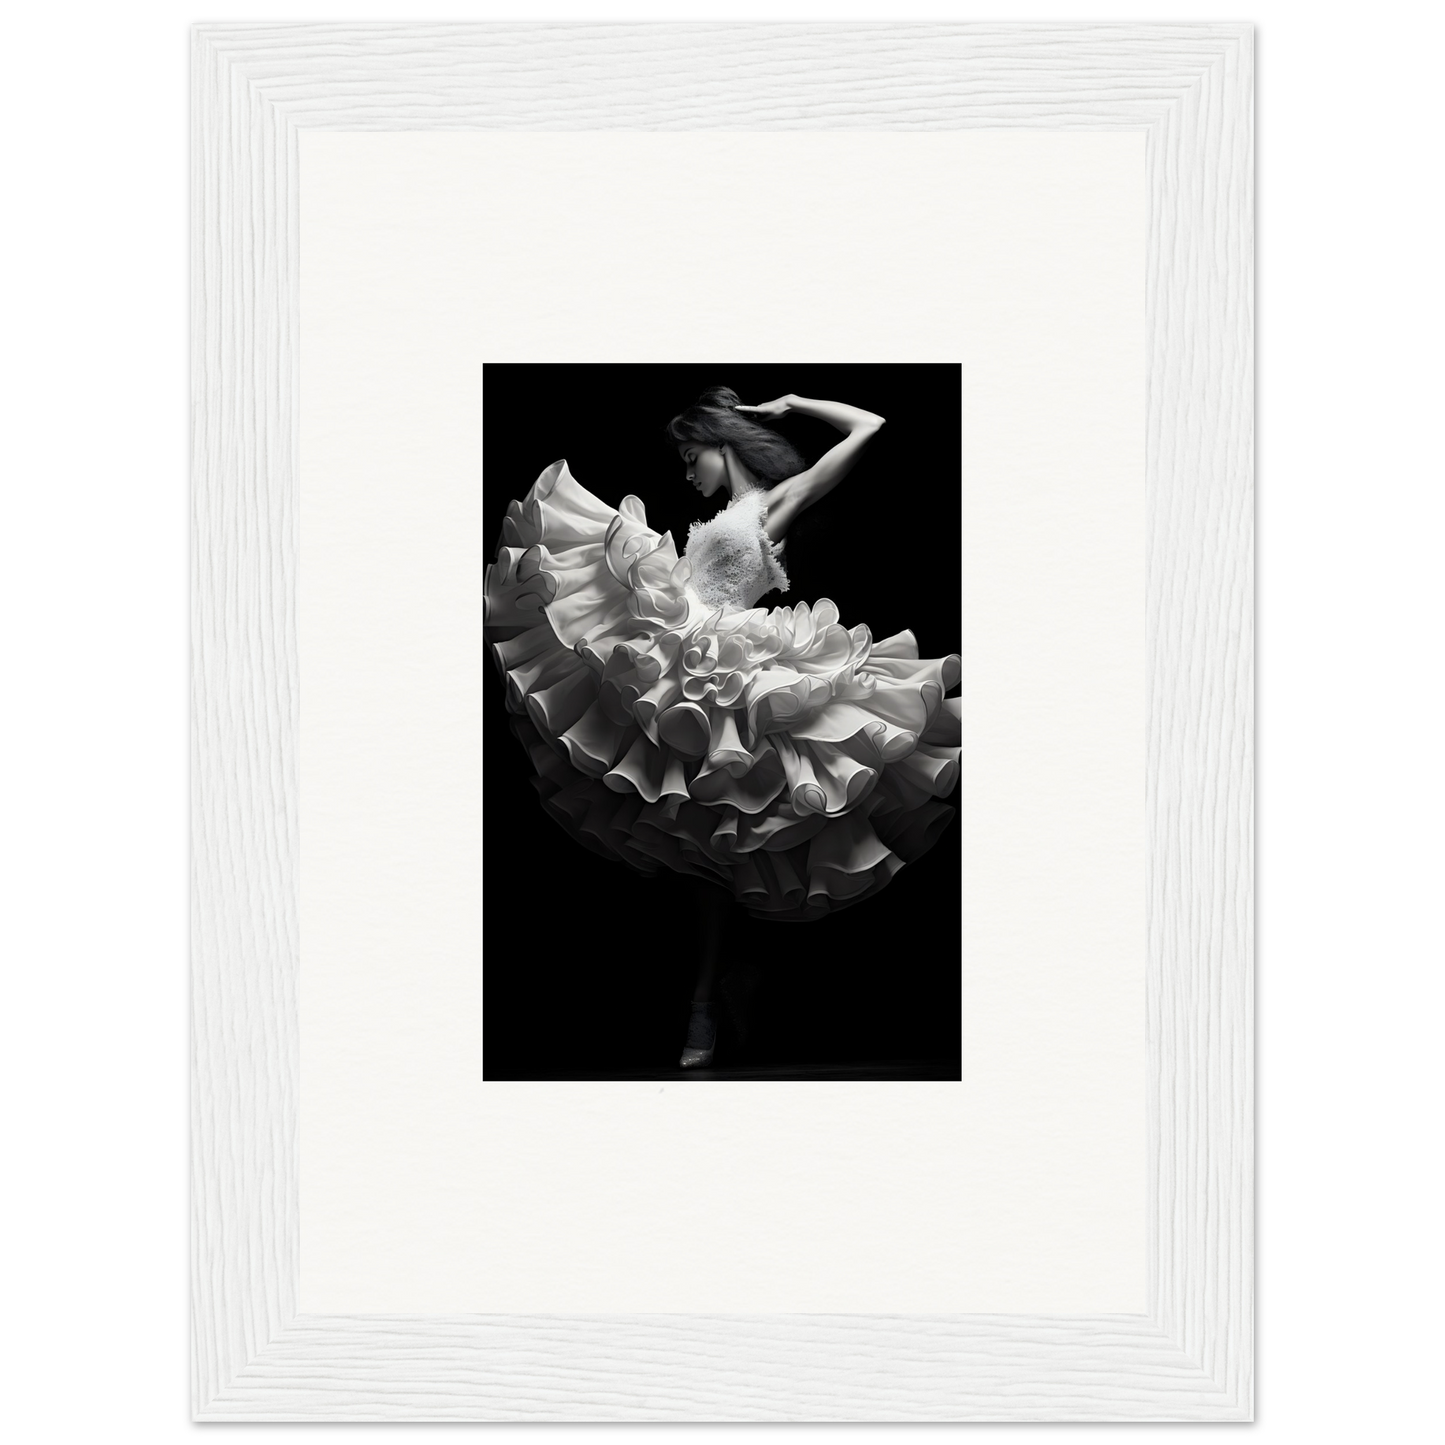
{"points": [[705, 468]]}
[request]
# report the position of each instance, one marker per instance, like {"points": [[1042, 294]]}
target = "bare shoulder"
{"points": [[784, 502], [780, 492]]}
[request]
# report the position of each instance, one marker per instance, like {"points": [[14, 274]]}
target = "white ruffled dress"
{"points": [[673, 724]]}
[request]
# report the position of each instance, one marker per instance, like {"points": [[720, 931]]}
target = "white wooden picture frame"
{"points": [[1188, 88]]}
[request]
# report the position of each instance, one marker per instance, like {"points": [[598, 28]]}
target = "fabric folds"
{"points": [[793, 761]]}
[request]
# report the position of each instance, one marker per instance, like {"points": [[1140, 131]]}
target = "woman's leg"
{"points": [[740, 975], [711, 917], [710, 912]]}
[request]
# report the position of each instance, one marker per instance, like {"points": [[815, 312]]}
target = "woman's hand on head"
{"points": [[769, 410]]}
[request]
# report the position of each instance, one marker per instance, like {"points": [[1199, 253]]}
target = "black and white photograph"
{"points": [[721, 739], [748, 651]]}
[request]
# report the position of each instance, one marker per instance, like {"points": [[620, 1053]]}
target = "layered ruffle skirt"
{"points": [[793, 761]]}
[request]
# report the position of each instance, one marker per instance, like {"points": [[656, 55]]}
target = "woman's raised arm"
{"points": [[798, 493]]}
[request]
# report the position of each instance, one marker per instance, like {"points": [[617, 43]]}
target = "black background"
{"points": [[588, 965]]}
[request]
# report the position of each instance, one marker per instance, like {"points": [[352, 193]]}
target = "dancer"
{"points": [[790, 763]]}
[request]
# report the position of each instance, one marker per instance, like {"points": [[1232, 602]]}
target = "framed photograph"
{"points": [[805, 730], [722, 722]]}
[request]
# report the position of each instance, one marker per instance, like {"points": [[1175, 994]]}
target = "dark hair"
{"points": [[711, 420]]}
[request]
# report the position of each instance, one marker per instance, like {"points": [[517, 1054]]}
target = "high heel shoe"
{"points": [[701, 1037]]}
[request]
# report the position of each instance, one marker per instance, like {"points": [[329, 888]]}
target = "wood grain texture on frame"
{"points": [[1189, 88]]}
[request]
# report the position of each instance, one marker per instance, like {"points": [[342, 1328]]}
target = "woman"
{"points": [[674, 723]]}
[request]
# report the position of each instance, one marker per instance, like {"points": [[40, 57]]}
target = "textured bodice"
{"points": [[733, 561]]}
